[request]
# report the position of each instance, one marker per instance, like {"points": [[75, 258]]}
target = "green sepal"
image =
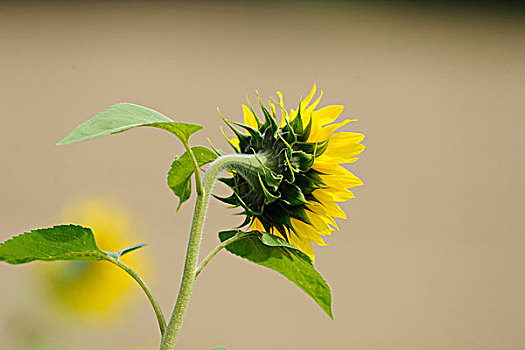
{"points": [[217, 151], [269, 120], [269, 176], [257, 120], [297, 123], [254, 133], [124, 116], [244, 140], [288, 133], [277, 214], [231, 200], [299, 213], [247, 220], [303, 137], [249, 211], [314, 175], [179, 176], [315, 148], [306, 184], [292, 194], [228, 181], [235, 148], [269, 198], [302, 160], [276, 254]]}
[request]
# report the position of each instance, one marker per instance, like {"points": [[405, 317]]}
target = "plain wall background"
{"points": [[432, 256]]}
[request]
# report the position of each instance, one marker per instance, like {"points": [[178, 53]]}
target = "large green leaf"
{"points": [[66, 242], [179, 176], [125, 116], [275, 253]]}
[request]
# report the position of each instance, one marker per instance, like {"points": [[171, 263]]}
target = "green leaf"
{"points": [[219, 348], [65, 242], [125, 116], [179, 176], [275, 253]]}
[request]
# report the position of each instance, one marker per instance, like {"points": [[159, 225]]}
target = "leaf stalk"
{"points": [[156, 307], [217, 249]]}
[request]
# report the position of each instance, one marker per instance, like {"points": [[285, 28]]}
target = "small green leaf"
{"points": [[219, 348], [120, 253], [275, 253], [131, 249], [125, 116], [179, 176], [65, 242]]}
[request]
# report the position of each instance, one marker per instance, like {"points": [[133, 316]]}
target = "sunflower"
{"points": [[95, 289], [295, 192]]}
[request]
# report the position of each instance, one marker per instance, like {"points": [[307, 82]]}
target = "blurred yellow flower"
{"points": [[97, 289]]}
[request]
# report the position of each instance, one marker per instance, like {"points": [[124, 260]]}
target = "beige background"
{"points": [[433, 254]]}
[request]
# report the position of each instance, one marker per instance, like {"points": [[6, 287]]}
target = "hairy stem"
{"points": [[190, 265], [156, 307]]}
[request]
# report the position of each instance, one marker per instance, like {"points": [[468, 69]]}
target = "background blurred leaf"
{"points": [[275, 253], [179, 176], [124, 116]]}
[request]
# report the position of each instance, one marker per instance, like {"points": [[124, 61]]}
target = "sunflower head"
{"points": [[293, 190]]}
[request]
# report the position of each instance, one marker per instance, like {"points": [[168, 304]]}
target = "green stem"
{"points": [[195, 167], [217, 249], [140, 281], [190, 265]]}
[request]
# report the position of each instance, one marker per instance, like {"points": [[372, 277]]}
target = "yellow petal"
{"points": [[310, 109], [329, 205], [308, 232], [338, 194], [272, 108], [320, 224], [258, 226], [320, 211], [305, 110], [249, 118], [343, 147], [304, 244], [336, 176], [325, 132], [235, 142], [307, 99], [284, 113], [281, 99], [328, 114], [341, 156]]}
